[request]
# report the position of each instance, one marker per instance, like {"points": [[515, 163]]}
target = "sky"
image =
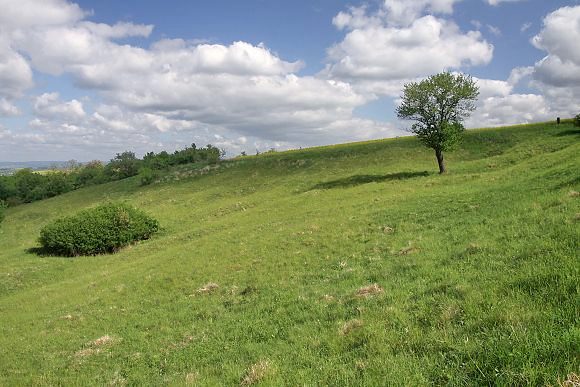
{"points": [[87, 79]]}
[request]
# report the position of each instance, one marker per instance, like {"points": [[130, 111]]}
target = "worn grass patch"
{"points": [[96, 346], [208, 288], [368, 291], [256, 373]]}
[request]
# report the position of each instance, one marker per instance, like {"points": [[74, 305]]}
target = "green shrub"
{"points": [[2, 207], [147, 176], [100, 230], [577, 120]]}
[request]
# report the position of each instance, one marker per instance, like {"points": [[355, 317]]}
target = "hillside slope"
{"points": [[348, 264]]}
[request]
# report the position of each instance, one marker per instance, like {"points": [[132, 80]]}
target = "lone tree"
{"points": [[439, 104]]}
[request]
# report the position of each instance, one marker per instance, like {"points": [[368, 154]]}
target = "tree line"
{"points": [[26, 185]]}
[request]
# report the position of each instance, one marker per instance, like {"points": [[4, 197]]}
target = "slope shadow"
{"points": [[355, 180], [569, 132]]}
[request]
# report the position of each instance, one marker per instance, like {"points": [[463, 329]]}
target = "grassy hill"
{"points": [[349, 264]]}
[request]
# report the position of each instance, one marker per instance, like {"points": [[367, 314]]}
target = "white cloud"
{"points": [[115, 129], [552, 70], [241, 90], [477, 24], [498, 104], [559, 38], [358, 17], [494, 30], [239, 58], [560, 34], [243, 96], [48, 105], [490, 88], [557, 75], [519, 73], [385, 53], [15, 73], [562, 101], [556, 78], [525, 27], [394, 13], [118, 30], [404, 12], [59, 49], [498, 2], [35, 13], [116, 119], [7, 108], [510, 109], [242, 87]]}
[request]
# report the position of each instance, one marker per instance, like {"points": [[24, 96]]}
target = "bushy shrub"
{"points": [[577, 120], [2, 207], [124, 165], [147, 176], [100, 230], [91, 173]]}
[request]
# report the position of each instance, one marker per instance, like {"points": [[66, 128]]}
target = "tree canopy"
{"points": [[439, 105]]}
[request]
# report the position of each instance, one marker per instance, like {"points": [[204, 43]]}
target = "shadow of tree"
{"points": [[569, 132], [41, 252], [355, 180]]}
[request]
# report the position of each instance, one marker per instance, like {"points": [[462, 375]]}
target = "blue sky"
{"points": [[87, 79]]}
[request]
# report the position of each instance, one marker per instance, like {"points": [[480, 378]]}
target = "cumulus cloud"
{"points": [[519, 73], [392, 12], [239, 58], [113, 127], [557, 75], [238, 91], [49, 105], [489, 88], [118, 30], [243, 96], [378, 55], [499, 105], [510, 109], [15, 73], [7, 108], [404, 12], [241, 86], [427, 46], [34, 13], [559, 38]]}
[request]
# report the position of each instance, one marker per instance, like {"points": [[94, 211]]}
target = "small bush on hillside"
{"points": [[2, 207], [124, 165], [147, 176], [577, 120], [100, 230]]}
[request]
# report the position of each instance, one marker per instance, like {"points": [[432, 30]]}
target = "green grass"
{"points": [[479, 272]]}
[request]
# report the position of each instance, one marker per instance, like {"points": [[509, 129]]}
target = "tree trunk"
{"points": [[440, 160]]}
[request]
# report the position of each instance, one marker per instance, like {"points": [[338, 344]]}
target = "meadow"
{"points": [[354, 264]]}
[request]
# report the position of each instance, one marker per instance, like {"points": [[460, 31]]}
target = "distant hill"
{"points": [[8, 167], [30, 164]]}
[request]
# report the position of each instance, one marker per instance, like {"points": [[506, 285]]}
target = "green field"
{"points": [[353, 264]]}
